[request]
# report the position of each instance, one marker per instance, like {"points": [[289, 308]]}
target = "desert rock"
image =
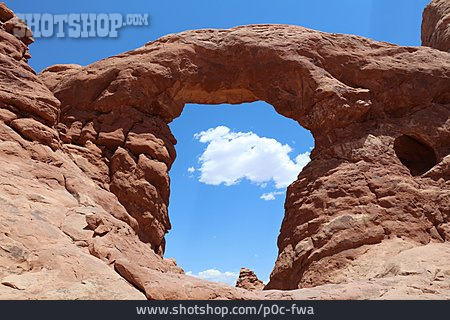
{"points": [[248, 280], [85, 154], [436, 25], [376, 110]]}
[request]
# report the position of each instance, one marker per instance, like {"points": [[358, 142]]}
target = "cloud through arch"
{"points": [[231, 157]]}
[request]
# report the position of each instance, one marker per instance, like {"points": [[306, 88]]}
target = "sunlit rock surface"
{"points": [[85, 155]]}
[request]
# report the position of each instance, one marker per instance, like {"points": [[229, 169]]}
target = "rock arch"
{"points": [[355, 95]]}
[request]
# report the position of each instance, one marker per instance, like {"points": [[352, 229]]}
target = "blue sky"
{"points": [[220, 222]]}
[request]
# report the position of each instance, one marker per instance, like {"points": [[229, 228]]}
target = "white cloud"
{"points": [[216, 276], [191, 170], [232, 156], [267, 196], [270, 195]]}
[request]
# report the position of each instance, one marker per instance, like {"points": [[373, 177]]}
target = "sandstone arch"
{"points": [[101, 135], [353, 94], [417, 156]]}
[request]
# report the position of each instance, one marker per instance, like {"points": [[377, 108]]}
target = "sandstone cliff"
{"points": [[86, 151], [436, 25]]}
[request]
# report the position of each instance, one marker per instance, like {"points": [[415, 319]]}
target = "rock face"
{"points": [[61, 235], [86, 151], [248, 280], [436, 25]]}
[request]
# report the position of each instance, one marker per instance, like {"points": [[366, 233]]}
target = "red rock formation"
{"points": [[60, 233], [84, 167], [359, 98], [248, 280], [436, 25]]}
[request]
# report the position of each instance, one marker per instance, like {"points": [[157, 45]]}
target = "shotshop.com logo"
{"points": [[79, 25]]}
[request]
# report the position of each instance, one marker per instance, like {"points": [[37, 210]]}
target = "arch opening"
{"points": [[226, 210], [415, 155]]}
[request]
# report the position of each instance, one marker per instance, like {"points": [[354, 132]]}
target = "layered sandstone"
{"points": [[248, 280], [61, 234], [369, 106], [436, 25], [86, 151]]}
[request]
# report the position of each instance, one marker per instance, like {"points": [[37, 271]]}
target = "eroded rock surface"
{"points": [[436, 25], [60, 233], [86, 151], [248, 280]]}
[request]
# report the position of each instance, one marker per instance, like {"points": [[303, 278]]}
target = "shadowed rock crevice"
{"points": [[417, 156]]}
